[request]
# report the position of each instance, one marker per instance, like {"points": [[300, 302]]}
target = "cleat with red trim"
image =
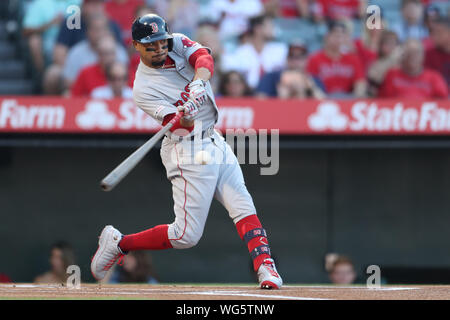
{"points": [[268, 276], [108, 252]]}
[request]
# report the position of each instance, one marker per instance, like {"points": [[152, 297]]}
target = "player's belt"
{"points": [[205, 133]]}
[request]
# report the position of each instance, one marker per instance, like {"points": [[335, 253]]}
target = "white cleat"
{"points": [[108, 252], [268, 276]]}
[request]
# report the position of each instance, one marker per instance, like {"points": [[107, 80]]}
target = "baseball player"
{"points": [[173, 76]]}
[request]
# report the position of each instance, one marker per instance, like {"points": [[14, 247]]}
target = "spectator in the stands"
{"points": [[287, 8], [67, 38], [367, 45], [137, 268], [181, 15], [389, 55], [341, 270], [5, 278], [411, 23], [260, 53], [61, 257], [233, 85], [40, 25], [84, 53], [94, 75], [341, 73], [295, 84], [123, 12], [54, 82], [338, 9], [233, 15], [116, 87], [296, 61], [438, 56], [412, 80], [432, 13]]}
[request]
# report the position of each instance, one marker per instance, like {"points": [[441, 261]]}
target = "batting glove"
{"points": [[189, 108], [197, 91]]}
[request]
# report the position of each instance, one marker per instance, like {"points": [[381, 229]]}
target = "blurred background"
{"points": [[348, 200]]}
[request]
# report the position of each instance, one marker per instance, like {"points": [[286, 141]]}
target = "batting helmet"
{"points": [[149, 28]]}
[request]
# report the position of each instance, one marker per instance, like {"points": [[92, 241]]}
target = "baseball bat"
{"points": [[120, 172]]}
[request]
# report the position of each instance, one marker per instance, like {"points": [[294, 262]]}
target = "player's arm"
{"points": [[155, 107], [200, 59], [160, 110], [203, 64]]}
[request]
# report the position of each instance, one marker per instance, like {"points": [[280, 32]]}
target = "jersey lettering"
{"points": [[187, 42], [184, 96]]}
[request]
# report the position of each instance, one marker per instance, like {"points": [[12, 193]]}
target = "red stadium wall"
{"points": [[310, 117]]}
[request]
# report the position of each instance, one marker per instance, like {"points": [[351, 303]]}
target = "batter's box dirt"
{"points": [[223, 292]]}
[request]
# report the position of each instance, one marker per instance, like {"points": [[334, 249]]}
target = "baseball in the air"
{"points": [[202, 157]]}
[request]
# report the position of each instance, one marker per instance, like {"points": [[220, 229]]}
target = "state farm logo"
{"points": [[235, 117], [374, 117], [328, 116], [96, 115], [16, 115]]}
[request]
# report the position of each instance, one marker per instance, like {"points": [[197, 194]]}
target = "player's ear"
{"points": [[135, 45]]}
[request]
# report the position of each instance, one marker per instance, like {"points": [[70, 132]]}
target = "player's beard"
{"points": [[158, 63], [161, 62]]}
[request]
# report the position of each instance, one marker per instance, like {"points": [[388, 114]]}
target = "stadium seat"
{"points": [[7, 51], [14, 75], [288, 29], [16, 87], [12, 70], [387, 5]]}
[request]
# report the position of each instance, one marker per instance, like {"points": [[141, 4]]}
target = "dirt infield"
{"points": [[222, 292]]}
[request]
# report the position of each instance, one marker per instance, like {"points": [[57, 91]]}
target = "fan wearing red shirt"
{"points": [[412, 80], [123, 13], [341, 73], [286, 8], [438, 56], [339, 9], [94, 75]]}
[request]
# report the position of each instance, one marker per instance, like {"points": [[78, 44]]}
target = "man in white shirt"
{"points": [[233, 15], [259, 55], [84, 53]]}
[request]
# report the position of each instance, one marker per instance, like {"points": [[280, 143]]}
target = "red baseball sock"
{"points": [[155, 238], [247, 224]]}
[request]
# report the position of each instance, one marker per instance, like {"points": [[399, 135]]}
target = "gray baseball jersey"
{"points": [[194, 185], [159, 91]]}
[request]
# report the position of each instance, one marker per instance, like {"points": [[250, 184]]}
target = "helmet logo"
{"points": [[154, 26]]}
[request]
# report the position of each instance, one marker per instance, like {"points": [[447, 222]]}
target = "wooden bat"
{"points": [[120, 172]]}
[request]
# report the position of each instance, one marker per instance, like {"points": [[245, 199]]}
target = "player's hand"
{"points": [[197, 91], [190, 109]]}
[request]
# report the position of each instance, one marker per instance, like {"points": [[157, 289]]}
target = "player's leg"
{"points": [[233, 194], [108, 252], [192, 189]]}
